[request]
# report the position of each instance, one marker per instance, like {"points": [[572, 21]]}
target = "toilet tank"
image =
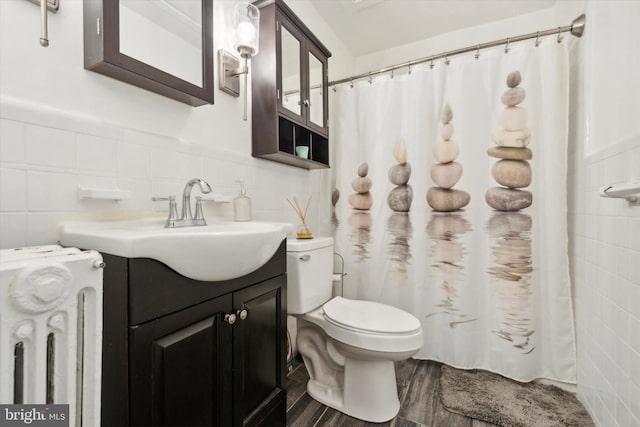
{"points": [[309, 273]]}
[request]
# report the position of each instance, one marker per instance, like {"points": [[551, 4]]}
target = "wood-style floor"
{"points": [[417, 389]]}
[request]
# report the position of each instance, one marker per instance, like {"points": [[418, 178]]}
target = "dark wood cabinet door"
{"points": [[259, 346], [180, 372]]}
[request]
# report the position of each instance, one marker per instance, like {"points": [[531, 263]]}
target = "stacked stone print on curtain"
{"points": [[455, 208]]}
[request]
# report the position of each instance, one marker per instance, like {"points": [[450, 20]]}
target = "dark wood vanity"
{"points": [[289, 78], [178, 351]]}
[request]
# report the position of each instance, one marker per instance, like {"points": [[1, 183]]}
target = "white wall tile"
{"points": [[42, 227], [13, 188], [622, 295], [101, 155], [103, 182], [595, 175], [189, 166], [149, 139], [50, 147], [210, 170], [628, 265], [606, 276], [635, 161], [634, 402], [11, 141], [97, 154], [634, 366], [634, 325], [13, 230], [140, 200], [134, 160], [617, 169], [92, 126], [52, 192], [164, 163], [633, 232]]}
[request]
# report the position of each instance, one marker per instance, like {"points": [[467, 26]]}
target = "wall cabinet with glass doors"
{"points": [[289, 90]]}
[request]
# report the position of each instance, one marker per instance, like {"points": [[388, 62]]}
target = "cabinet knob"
{"points": [[230, 318], [242, 314]]}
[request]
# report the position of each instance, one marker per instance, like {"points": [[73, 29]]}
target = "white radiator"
{"points": [[51, 329]]}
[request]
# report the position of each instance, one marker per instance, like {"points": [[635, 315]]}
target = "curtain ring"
{"points": [[392, 72], [446, 59], [409, 66], [431, 64], [506, 47], [477, 55], [537, 38], [370, 81], [334, 88], [559, 36], [351, 82]]}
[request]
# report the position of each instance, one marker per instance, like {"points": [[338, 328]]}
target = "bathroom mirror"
{"points": [[316, 106], [165, 46], [290, 71]]}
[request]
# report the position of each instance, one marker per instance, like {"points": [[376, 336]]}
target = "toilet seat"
{"points": [[403, 335], [369, 317]]}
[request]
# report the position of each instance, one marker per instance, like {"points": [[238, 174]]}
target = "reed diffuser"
{"points": [[303, 231]]}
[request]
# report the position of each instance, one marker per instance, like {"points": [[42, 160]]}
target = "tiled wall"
{"points": [[45, 155], [63, 126], [606, 276], [605, 233]]}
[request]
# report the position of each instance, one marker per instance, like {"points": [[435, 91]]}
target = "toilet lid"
{"points": [[370, 316]]}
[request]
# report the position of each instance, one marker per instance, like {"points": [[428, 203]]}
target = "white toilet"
{"points": [[348, 346]]}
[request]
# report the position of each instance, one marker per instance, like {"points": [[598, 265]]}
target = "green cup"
{"points": [[302, 152]]}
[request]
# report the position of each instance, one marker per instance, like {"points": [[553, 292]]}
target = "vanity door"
{"points": [[180, 368], [260, 354]]}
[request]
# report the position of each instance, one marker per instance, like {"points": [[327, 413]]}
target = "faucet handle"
{"points": [[173, 209], [199, 214]]}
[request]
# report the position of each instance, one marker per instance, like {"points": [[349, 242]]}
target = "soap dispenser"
{"points": [[242, 205]]}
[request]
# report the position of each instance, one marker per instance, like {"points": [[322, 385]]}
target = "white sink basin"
{"points": [[218, 251]]}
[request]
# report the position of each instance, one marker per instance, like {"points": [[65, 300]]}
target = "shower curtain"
{"points": [[450, 203]]}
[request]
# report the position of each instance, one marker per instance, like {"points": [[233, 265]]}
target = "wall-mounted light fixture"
{"points": [[45, 5], [246, 40]]}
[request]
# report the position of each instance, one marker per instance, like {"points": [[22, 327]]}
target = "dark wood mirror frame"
{"points": [[102, 54]]}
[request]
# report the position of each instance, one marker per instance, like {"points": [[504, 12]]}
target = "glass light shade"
{"points": [[247, 35]]}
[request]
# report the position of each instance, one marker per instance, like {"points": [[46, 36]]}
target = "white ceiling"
{"points": [[367, 26]]}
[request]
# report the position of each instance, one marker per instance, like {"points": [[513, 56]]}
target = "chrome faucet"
{"points": [[187, 220], [186, 198]]}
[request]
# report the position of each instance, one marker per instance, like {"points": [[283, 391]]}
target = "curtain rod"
{"points": [[576, 29]]}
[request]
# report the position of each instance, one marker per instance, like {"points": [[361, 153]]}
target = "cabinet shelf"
{"points": [[291, 136], [294, 62]]}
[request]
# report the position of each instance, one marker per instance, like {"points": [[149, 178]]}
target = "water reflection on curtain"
{"points": [[452, 206]]}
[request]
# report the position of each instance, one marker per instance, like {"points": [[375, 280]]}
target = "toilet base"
{"points": [[370, 391], [326, 395]]}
